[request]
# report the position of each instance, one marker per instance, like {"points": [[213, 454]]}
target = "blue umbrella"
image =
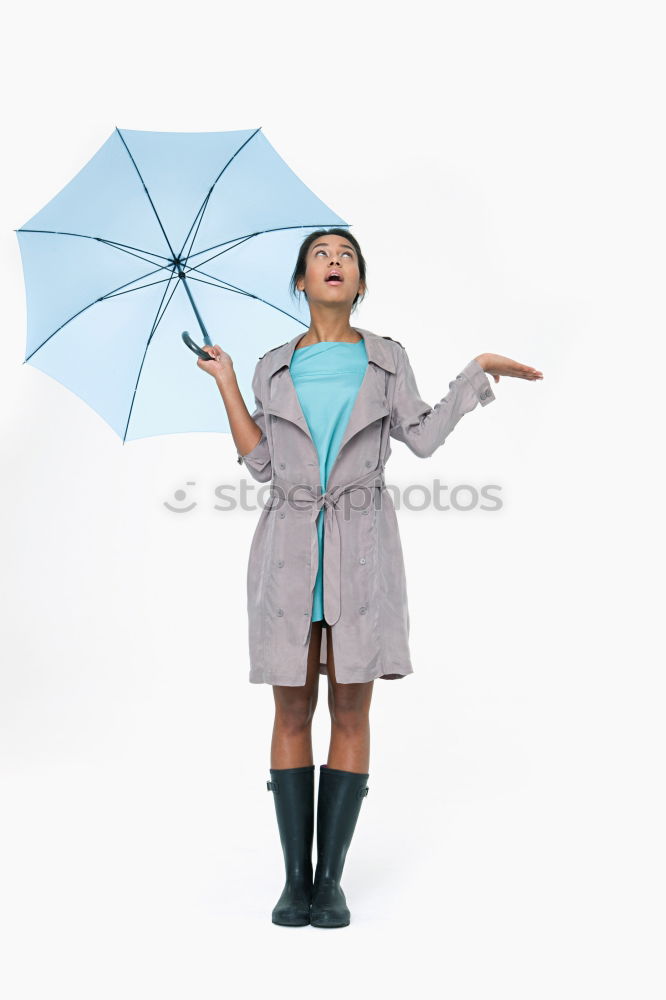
{"points": [[157, 231]]}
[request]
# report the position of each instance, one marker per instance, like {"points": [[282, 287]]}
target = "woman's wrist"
{"points": [[481, 360], [226, 380]]}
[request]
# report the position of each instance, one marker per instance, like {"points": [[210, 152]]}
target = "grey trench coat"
{"points": [[365, 593]]}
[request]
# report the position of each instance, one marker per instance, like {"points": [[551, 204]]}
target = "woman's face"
{"points": [[331, 271]]}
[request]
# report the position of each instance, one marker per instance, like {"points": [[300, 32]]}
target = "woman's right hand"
{"points": [[220, 364]]}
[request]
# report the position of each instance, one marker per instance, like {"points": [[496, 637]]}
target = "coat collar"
{"points": [[370, 404], [376, 348]]}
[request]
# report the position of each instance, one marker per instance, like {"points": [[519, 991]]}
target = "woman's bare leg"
{"points": [[349, 705], [291, 744]]}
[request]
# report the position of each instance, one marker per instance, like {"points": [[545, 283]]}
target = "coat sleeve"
{"points": [[258, 461], [424, 428]]}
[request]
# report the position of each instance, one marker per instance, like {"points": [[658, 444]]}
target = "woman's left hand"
{"points": [[496, 365]]}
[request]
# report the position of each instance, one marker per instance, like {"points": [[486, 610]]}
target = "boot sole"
{"points": [[291, 923]]}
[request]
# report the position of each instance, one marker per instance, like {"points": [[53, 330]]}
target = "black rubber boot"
{"points": [[341, 794], [293, 791]]}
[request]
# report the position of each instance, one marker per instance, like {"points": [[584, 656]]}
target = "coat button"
{"points": [[282, 465], [362, 560], [279, 612], [280, 563], [368, 463], [362, 610], [282, 514]]}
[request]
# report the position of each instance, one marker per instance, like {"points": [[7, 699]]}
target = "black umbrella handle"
{"points": [[190, 343], [194, 347]]}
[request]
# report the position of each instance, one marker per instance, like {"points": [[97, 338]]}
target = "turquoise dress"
{"points": [[327, 378]]}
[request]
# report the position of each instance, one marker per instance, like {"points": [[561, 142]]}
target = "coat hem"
{"points": [[395, 676]]}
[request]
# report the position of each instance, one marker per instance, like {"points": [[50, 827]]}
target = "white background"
{"points": [[503, 167]]}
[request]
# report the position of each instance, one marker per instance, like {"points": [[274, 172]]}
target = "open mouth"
{"points": [[334, 278]]}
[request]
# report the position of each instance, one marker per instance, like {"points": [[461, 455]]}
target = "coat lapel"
{"points": [[370, 403]]}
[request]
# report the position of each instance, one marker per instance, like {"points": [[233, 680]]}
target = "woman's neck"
{"points": [[329, 334]]}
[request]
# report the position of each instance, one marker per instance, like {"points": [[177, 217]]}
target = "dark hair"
{"points": [[299, 270]]}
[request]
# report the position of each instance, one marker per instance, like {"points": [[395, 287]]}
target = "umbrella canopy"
{"points": [[158, 231]]}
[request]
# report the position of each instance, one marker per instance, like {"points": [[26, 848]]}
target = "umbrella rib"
{"points": [[231, 244], [139, 288], [192, 273], [175, 288], [107, 295], [216, 282], [123, 247], [156, 322], [249, 236], [204, 204], [236, 243], [152, 204], [139, 252], [251, 295], [222, 285]]}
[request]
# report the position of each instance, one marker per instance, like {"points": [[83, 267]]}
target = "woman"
{"points": [[325, 569]]}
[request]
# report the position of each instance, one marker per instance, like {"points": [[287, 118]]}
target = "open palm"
{"points": [[497, 365]]}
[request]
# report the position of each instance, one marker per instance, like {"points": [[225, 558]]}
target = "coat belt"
{"points": [[299, 493]]}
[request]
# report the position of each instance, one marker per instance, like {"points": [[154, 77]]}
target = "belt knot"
{"points": [[329, 501]]}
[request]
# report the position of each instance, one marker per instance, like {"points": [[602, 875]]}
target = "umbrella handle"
{"points": [[197, 350]]}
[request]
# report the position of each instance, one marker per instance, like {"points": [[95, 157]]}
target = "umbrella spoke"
{"points": [[152, 204], [143, 255], [204, 204], [236, 243], [242, 291], [140, 254], [139, 288], [120, 290], [156, 322], [241, 239]]}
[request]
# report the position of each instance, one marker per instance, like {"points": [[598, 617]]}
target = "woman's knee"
{"points": [[294, 712], [350, 708]]}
